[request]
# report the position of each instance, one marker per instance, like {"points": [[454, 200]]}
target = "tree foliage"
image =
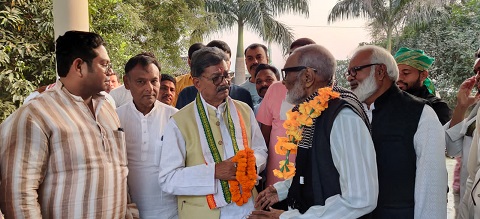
{"points": [[26, 50], [387, 17], [257, 16], [452, 42], [27, 58]]}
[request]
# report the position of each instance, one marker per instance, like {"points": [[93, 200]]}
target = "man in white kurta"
{"points": [[187, 168], [143, 121]]}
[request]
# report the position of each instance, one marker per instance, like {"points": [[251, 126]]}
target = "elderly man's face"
{"points": [[263, 80], [214, 82], [362, 79], [296, 93], [410, 78]]}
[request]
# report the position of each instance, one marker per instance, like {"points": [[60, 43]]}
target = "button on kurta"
{"points": [[217, 123], [220, 142]]}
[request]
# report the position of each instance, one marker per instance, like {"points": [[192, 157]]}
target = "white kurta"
{"points": [[431, 174], [199, 180], [143, 135], [458, 144], [354, 157]]}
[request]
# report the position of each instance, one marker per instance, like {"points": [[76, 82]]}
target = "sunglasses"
{"points": [[285, 71]]}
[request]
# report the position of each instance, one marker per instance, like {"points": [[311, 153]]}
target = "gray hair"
{"points": [[319, 58], [204, 58], [381, 55]]}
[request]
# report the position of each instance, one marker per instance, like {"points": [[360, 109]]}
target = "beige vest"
{"points": [[197, 206]]}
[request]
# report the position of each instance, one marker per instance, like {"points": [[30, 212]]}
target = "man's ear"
{"points": [[126, 82], [196, 82], [77, 66], [423, 75], [381, 70], [308, 77]]}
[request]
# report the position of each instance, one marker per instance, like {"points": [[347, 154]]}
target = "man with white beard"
{"points": [[336, 172], [408, 138]]}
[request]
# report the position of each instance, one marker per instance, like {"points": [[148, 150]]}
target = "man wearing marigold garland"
{"points": [[211, 145], [335, 175], [409, 139]]}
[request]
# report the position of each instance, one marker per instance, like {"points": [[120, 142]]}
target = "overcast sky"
{"points": [[341, 38]]}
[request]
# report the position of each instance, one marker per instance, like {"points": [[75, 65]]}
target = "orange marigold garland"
{"points": [[296, 121], [246, 175]]}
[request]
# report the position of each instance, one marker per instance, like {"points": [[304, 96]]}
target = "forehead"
{"points": [[477, 63], [292, 60], [218, 68], [167, 83], [255, 51], [360, 58], [143, 71], [265, 73], [403, 67]]}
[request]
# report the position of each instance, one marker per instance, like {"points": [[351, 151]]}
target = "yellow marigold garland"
{"points": [[296, 121], [246, 175]]}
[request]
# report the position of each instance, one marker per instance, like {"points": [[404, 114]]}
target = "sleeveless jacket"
{"points": [[194, 206], [394, 123], [320, 178]]}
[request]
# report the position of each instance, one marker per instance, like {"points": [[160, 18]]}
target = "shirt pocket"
{"points": [[118, 146]]}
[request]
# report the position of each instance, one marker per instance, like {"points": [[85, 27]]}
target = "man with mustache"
{"points": [[236, 92], [166, 93], [265, 75], [408, 137], [255, 54], [143, 120], [336, 171], [460, 141], [200, 140], [413, 78]]}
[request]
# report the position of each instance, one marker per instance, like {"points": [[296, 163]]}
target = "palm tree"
{"points": [[258, 16], [387, 15]]}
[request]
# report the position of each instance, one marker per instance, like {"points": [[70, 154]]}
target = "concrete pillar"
{"points": [[70, 15]]}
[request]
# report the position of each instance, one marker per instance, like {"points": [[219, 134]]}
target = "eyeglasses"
{"points": [[108, 68], [353, 70], [218, 78], [285, 71]]}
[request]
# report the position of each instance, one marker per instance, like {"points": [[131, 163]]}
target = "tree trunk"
{"points": [[389, 38], [240, 58]]}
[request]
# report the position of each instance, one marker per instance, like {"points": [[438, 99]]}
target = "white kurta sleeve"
{"points": [[354, 157], [431, 174], [174, 177], [454, 138]]}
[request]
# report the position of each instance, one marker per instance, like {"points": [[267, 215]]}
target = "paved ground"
{"points": [[450, 209]]}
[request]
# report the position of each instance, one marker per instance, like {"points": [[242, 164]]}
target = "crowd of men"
{"points": [[163, 147]]}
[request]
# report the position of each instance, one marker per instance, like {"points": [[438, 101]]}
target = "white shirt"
{"points": [[458, 144], [431, 174], [354, 157], [143, 134], [121, 95], [200, 180]]}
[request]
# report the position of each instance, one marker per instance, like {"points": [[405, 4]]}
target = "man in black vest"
{"points": [[413, 65], [336, 173], [408, 137]]}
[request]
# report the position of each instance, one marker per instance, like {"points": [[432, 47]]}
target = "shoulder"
{"points": [[239, 89], [186, 111], [167, 108]]}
